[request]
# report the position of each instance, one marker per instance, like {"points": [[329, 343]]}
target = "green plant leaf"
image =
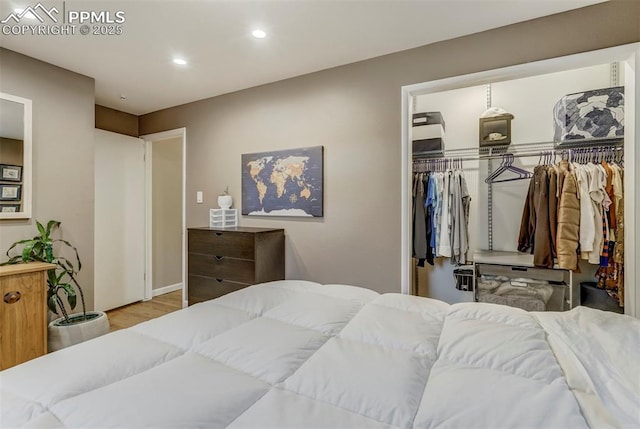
{"points": [[37, 248], [26, 252], [74, 249], [40, 229], [17, 243], [51, 226], [66, 265], [12, 260], [41, 248], [51, 303], [71, 294], [52, 280]]}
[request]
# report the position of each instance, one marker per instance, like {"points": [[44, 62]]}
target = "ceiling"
{"points": [[303, 36]]}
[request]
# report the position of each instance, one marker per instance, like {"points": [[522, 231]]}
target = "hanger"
{"points": [[507, 165], [497, 171]]}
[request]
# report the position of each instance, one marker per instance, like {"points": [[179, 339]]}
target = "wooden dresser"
{"points": [[23, 312], [221, 261]]}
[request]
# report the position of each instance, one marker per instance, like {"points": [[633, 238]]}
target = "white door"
{"points": [[119, 220]]}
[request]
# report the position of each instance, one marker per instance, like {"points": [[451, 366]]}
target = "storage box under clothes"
{"points": [[524, 293], [509, 278], [427, 132], [589, 116]]}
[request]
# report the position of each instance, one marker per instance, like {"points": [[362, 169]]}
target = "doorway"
{"points": [[629, 58], [165, 180]]}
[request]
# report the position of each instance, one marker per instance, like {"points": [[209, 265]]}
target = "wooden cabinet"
{"points": [[221, 261], [23, 312]]}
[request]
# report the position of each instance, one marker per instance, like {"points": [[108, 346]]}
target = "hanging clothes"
{"points": [[587, 227], [552, 192], [419, 221], [568, 220], [460, 215], [535, 231], [610, 275], [437, 213], [584, 218], [430, 187], [441, 224], [444, 246]]}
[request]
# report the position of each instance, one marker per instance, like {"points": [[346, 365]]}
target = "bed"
{"points": [[299, 354]]}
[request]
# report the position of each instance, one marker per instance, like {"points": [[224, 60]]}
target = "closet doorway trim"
{"points": [[629, 58]]}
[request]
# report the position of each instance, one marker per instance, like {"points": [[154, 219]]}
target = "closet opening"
{"points": [[528, 92]]}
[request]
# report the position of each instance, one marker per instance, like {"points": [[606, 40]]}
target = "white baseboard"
{"points": [[166, 289]]}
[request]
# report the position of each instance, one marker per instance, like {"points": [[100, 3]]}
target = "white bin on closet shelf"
{"points": [[223, 218]]}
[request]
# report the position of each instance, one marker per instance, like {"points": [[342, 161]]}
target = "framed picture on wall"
{"points": [[10, 173], [283, 182], [9, 208], [10, 192]]}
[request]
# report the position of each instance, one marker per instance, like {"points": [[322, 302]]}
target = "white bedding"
{"points": [[300, 354]]}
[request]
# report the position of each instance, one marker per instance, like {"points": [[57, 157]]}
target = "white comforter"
{"points": [[299, 354]]}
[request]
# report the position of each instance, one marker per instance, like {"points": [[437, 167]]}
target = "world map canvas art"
{"points": [[283, 183]]}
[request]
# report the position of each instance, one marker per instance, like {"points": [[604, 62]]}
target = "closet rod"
{"points": [[504, 149]]}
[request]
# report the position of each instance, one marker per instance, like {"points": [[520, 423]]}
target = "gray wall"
{"points": [[166, 224], [63, 121], [354, 111]]}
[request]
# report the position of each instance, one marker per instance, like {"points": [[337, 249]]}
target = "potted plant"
{"points": [[225, 200], [68, 329]]}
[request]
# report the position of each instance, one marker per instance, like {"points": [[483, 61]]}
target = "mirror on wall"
{"points": [[15, 157]]}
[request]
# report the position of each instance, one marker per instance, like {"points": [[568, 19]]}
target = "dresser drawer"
{"points": [[206, 288], [222, 243], [222, 267]]}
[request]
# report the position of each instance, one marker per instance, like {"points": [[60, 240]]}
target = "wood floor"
{"points": [[132, 314]]}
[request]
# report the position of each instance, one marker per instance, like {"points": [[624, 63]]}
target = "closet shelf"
{"points": [[498, 257]]}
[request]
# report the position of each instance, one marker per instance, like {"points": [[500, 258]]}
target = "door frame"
{"points": [[629, 58], [148, 141]]}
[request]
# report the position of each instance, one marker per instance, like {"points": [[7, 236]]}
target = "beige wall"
{"points": [[354, 111], [63, 106], [116, 121], [167, 212]]}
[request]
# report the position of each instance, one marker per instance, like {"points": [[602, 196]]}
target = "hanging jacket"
{"points": [[553, 207], [568, 220], [587, 227], [535, 230], [419, 222], [528, 222]]}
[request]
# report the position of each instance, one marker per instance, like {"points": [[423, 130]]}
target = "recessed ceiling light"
{"points": [[179, 61], [28, 15], [258, 34]]}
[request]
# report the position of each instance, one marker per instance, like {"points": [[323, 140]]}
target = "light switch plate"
{"points": [[199, 197]]}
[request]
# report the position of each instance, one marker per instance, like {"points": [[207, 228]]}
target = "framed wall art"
{"points": [[9, 208], [10, 192], [283, 183], [10, 173]]}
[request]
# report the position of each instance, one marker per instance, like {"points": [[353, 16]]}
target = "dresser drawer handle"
{"points": [[219, 258], [12, 297], [219, 234], [219, 280]]}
